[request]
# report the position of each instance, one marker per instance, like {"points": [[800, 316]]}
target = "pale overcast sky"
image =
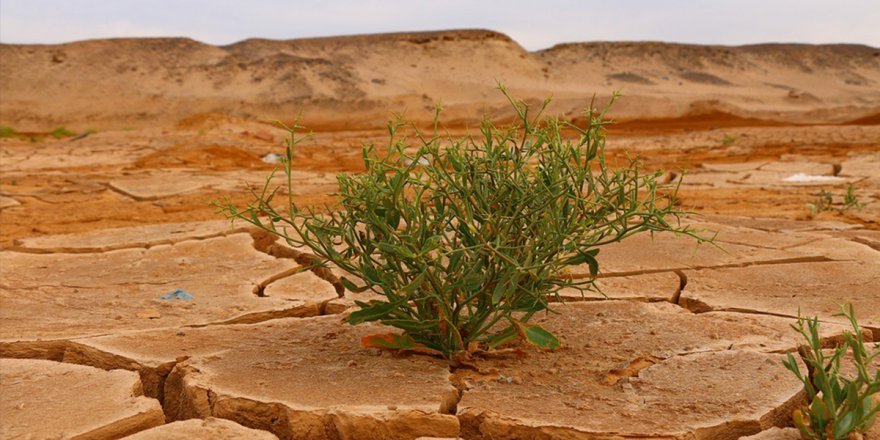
{"points": [[535, 24]]}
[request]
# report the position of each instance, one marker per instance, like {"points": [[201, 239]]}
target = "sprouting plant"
{"points": [[851, 200], [823, 203], [838, 404], [61, 132], [7, 132], [465, 239], [728, 140]]}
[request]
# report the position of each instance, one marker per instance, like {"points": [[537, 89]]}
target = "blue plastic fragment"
{"points": [[177, 294]]}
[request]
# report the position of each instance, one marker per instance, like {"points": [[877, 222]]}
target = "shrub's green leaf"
{"points": [[454, 259], [473, 281], [411, 325], [394, 249], [371, 274], [536, 335], [589, 257], [372, 311], [528, 303], [843, 426], [390, 212], [416, 283], [499, 292], [431, 244], [351, 287], [393, 341], [500, 338]]}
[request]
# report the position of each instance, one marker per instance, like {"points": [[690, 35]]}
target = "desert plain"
{"points": [[130, 307]]}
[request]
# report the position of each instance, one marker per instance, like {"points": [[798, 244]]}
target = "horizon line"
{"points": [[439, 32]]}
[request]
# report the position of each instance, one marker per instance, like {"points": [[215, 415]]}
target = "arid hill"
{"points": [[354, 82]]}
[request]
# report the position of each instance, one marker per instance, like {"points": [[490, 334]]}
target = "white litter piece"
{"points": [[272, 158], [801, 178], [422, 161]]}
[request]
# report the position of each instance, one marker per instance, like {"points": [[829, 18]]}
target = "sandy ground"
{"points": [[687, 343]]}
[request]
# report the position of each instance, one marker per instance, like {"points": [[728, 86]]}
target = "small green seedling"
{"points": [[463, 240], [61, 132], [825, 202], [851, 200], [728, 140], [838, 404]]}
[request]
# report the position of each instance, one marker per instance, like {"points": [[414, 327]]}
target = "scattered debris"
{"points": [[804, 178], [421, 161], [177, 294], [272, 158]]}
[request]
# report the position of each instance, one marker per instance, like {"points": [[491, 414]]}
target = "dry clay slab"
{"points": [[643, 253], [198, 429], [63, 296], [45, 399], [298, 378], [640, 370], [146, 236], [308, 378], [811, 289], [158, 184]]}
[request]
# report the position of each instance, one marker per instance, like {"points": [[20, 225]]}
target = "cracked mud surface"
{"points": [[44, 399], [683, 342], [210, 428], [648, 374], [60, 296]]}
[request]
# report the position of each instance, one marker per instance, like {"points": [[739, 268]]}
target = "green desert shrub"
{"points": [[838, 404], [61, 132], [464, 239], [7, 132]]}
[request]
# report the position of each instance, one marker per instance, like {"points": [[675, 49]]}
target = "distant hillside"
{"points": [[354, 82]]}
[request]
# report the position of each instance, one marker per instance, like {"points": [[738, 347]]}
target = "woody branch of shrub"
{"points": [[465, 239]]}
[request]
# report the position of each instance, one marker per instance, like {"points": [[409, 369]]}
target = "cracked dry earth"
{"points": [[683, 342]]}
